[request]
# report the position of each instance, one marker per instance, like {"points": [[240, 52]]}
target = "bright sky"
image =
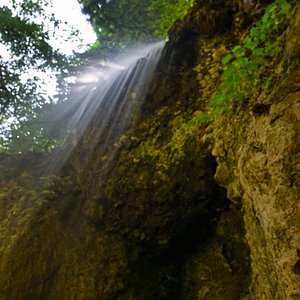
{"points": [[68, 11]]}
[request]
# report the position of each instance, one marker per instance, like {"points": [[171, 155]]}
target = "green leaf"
{"points": [[254, 32], [238, 51], [258, 52], [250, 43], [226, 59]]}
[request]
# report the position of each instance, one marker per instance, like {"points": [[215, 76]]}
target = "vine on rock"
{"points": [[244, 66]]}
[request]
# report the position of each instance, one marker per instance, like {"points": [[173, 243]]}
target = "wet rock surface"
{"points": [[172, 213], [261, 172]]}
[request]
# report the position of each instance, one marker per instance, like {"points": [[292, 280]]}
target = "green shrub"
{"points": [[243, 67]]}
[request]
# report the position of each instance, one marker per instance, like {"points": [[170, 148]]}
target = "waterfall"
{"points": [[104, 99]]}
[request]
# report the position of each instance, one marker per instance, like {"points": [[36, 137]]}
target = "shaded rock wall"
{"points": [[258, 163], [150, 221], [117, 227]]}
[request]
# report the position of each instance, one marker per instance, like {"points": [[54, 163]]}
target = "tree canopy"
{"points": [[28, 63], [25, 54], [119, 23], [28, 60]]}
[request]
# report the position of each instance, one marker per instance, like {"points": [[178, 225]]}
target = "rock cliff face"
{"points": [[260, 169], [178, 212]]}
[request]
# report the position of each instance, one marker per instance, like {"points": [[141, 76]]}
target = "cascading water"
{"points": [[103, 99], [45, 221]]}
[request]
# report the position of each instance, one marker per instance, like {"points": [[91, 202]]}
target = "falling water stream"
{"points": [[50, 215], [71, 234], [104, 98]]}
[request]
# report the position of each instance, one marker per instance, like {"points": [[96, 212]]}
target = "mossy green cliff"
{"points": [[173, 208]]}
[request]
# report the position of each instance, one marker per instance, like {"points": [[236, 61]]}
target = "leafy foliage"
{"points": [[242, 67], [245, 64], [28, 63], [28, 113], [119, 23]]}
